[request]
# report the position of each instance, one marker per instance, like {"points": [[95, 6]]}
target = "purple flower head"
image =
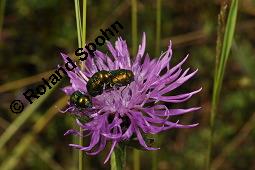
{"points": [[132, 111]]}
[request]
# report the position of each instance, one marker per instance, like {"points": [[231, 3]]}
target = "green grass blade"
{"points": [[227, 43], [78, 22], [84, 20], [81, 34], [46, 156], [23, 117], [13, 159], [84, 11], [220, 69]]}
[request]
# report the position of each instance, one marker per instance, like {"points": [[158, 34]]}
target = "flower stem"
{"points": [[118, 158], [81, 34], [78, 22], [83, 39], [136, 159], [81, 161], [84, 11]]}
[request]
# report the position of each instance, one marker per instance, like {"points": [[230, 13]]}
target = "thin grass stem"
{"points": [[26, 141], [222, 58], [84, 20], [22, 118], [81, 34], [84, 11], [78, 22]]}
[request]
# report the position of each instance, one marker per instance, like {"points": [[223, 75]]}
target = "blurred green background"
{"points": [[32, 35]]}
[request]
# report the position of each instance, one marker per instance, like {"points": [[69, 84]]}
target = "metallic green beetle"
{"points": [[98, 82], [121, 77], [105, 80], [80, 100]]}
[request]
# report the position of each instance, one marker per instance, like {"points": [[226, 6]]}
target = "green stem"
{"points": [[222, 53], [136, 159], [78, 22], [22, 118], [83, 41], [154, 155], [81, 34], [220, 34], [84, 11], [118, 158], [81, 157]]}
